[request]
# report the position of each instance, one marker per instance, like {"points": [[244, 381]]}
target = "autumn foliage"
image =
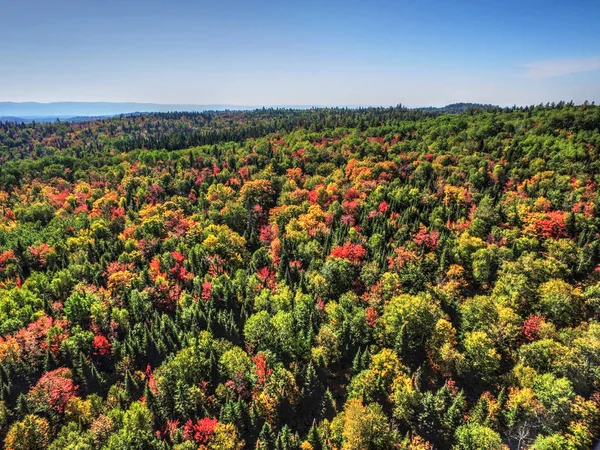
{"points": [[322, 279]]}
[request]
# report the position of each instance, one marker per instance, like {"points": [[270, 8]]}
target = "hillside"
{"points": [[329, 278]]}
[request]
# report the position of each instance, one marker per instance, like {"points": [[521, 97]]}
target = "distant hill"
{"points": [[13, 119], [46, 119], [456, 108], [64, 110], [28, 112]]}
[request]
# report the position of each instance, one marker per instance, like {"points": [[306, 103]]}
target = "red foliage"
{"points": [[348, 220], [201, 431], [155, 269], [54, 389], [9, 214], [155, 192], [267, 234], [165, 295], [352, 194], [101, 346], [531, 327], [427, 239], [267, 276], [5, 258], [452, 387], [352, 208], [585, 208], [216, 265], [40, 253], [352, 252], [402, 257], [34, 340], [178, 257], [296, 264], [553, 225], [151, 380], [383, 207], [261, 370], [171, 428], [117, 213], [178, 271], [116, 266], [206, 290], [204, 429], [320, 304], [371, 315]]}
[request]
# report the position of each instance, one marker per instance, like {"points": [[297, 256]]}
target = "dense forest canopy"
{"points": [[378, 278]]}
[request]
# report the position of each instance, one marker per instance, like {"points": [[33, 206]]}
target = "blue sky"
{"points": [[300, 52]]}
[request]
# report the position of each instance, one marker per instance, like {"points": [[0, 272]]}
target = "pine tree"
{"points": [[285, 439], [266, 438], [314, 437]]}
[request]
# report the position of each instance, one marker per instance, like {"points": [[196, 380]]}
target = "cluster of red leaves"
{"points": [[54, 388], [101, 346], [9, 214], [5, 258], [371, 316], [296, 264], [176, 224], [165, 295], [352, 252], [352, 208], [453, 388], [402, 257], [201, 431], [178, 271], [116, 266], [428, 239], [348, 220], [206, 290], [34, 340], [531, 327], [155, 269], [261, 370], [267, 277], [155, 193], [585, 208], [553, 225], [171, 428], [267, 234], [57, 199], [216, 265], [151, 379], [41, 253]]}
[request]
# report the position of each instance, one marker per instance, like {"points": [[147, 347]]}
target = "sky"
{"points": [[288, 52]]}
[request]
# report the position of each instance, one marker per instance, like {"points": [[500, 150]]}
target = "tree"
{"points": [[481, 358], [226, 437], [365, 427], [560, 302], [53, 390], [32, 433], [474, 437]]}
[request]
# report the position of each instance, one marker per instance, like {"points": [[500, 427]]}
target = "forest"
{"points": [[322, 279]]}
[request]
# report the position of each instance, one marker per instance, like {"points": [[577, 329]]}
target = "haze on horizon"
{"points": [[417, 53]]}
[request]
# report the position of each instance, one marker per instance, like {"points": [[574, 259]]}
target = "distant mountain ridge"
{"points": [[456, 108], [84, 111], [87, 109]]}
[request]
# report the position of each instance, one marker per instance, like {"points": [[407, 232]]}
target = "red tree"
{"points": [[54, 389], [352, 252]]}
